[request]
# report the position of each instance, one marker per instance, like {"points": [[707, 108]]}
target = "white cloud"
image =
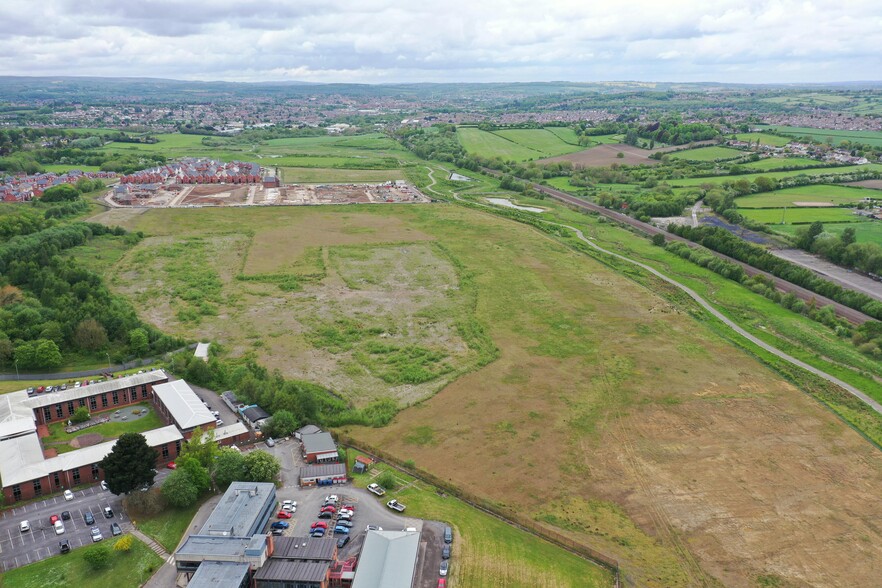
{"points": [[491, 40]]}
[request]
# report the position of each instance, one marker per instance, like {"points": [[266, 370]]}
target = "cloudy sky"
{"points": [[450, 40]]}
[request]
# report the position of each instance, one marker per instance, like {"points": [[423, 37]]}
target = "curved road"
{"points": [[848, 313], [876, 406]]}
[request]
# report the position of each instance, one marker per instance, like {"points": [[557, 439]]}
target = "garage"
{"points": [[323, 475]]}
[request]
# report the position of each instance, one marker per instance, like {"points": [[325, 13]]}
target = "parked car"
{"points": [[68, 495], [445, 565], [341, 530], [326, 515], [319, 525], [108, 512], [280, 525], [96, 535], [376, 489], [171, 465], [345, 516], [289, 505], [59, 527], [115, 530], [329, 508], [64, 546], [445, 552], [270, 442], [448, 535], [24, 526], [65, 516], [442, 583], [373, 528], [345, 523], [53, 519], [342, 541], [104, 485], [220, 423], [317, 532], [88, 518], [277, 532], [284, 514]]}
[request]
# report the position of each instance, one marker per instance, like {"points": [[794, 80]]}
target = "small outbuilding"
{"points": [[323, 475], [319, 448]]}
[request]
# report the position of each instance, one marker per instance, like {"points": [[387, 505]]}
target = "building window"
{"points": [[76, 476], [38, 488], [47, 414], [70, 407], [115, 397], [93, 404], [144, 391], [94, 471], [16, 492], [104, 401], [82, 402], [56, 479], [133, 392], [178, 447], [59, 411], [165, 450]]}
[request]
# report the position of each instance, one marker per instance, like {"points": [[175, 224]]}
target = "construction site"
{"points": [[265, 194]]}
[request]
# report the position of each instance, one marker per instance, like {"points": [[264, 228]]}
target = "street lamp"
{"points": [[16, 370]]}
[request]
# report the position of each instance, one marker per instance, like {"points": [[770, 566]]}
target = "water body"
{"points": [[509, 204]]}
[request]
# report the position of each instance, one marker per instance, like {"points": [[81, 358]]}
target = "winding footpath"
{"points": [[707, 306]]}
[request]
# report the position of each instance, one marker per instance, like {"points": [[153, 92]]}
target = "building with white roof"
{"points": [[177, 401], [388, 559]]}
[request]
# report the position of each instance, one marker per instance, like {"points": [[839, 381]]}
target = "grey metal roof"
{"points": [[388, 559], [308, 430], [294, 571], [48, 399], [239, 508], [219, 574], [328, 469], [255, 413], [318, 443], [303, 548], [206, 546], [185, 407]]}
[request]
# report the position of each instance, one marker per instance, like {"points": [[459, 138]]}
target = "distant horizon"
{"points": [[451, 41]]}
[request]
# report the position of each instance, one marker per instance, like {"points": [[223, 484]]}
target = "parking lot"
{"points": [[18, 549]]}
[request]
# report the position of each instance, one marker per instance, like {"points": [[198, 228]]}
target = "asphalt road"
{"points": [[849, 314], [18, 549], [831, 271]]}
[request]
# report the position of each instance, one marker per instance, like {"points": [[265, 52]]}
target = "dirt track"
{"points": [[849, 314]]}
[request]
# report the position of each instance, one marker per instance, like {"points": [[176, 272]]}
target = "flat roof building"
{"points": [[283, 573], [319, 448], [178, 402], [221, 574], [243, 510], [205, 548], [304, 548]]}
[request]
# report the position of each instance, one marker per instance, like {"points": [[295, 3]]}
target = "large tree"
{"points": [[197, 472], [130, 464], [60, 193], [90, 335], [282, 424], [260, 466], [229, 467], [180, 490], [201, 446]]}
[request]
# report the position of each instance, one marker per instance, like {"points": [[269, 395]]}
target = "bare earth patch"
{"points": [[86, 440], [814, 204], [604, 155]]}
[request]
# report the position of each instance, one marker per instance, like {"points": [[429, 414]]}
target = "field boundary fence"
{"points": [[500, 512]]}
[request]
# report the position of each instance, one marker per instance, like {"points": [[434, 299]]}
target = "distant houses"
{"points": [[191, 170], [21, 187]]}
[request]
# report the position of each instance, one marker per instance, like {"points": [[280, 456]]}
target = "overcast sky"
{"points": [[445, 41]]}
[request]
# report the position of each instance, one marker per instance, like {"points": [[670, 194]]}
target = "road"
{"points": [[849, 314], [832, 272]]}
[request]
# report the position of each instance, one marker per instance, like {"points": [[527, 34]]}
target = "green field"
{"points": [[168, 527], [770, 163], [865, 232], [799, 215], [565, 134], [126, 570], [764, 139], [819, 193], [60, 168], [489, 552], [776, 175], [517, 144], [873, 138], [707, 154], [314, 175]]}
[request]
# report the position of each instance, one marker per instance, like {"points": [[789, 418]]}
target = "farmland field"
{"points": [[776, 175], [544, 140], [309, 175], [783, 162], [518, 144], [873, 138], [821, 194], [764, 139], [61, 168], [708, 154], [798, 215], [865, 232]]}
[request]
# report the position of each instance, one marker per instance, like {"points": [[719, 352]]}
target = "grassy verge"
{"points": [[111, 430], [488, 552], [126, 570], [169, 526]]}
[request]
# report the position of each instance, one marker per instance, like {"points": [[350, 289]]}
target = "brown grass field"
{"points": [[610, 414], [607, 154]]}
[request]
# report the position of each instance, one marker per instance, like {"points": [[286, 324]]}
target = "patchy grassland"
{"points": [[169, 526], [486, 144], [865, 232], [873, 138], [126, 570], [488, 552], [764, 139], [822, 194], [772, 163], [543, 140], [818, 171], [708, 154], [307, 175]]}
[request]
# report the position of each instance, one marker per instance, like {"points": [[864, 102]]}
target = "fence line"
{"points": [[502, 513]]}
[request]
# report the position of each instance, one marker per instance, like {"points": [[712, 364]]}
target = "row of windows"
{"points": [[93, 402]]}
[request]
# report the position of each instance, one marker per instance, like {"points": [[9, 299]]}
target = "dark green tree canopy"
{"points": [[130, 465], [60, 193]]}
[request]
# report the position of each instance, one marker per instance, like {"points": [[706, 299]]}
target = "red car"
{"points": [[348, 507], [284, 514], [442, 583], [171, 465], [53, 519], [328, 508], [319, 525]]}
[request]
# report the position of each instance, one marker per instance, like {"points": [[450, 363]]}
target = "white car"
{"points": [[332, 498], [68, 495], [59, 527], [25, 526], [289, 505], [96, 535], [103, 485]]}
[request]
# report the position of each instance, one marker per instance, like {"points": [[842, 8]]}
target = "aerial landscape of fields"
{"points": [[323, 297]]}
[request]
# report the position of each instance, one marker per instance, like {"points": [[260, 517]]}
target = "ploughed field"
{"points": [[609, 413]]}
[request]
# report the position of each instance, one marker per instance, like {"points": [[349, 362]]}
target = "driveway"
{"points": [[18, 549], [214, 402]]}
